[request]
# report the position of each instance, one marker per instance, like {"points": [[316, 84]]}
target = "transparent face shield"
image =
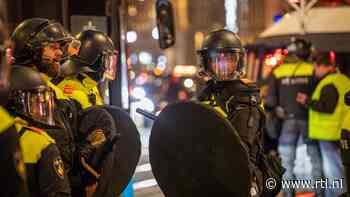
{"points": [[109, 64], [39, 104], [223, 65]]}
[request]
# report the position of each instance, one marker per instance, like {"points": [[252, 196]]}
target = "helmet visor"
{"points": [[39, 104], [53, 32], [109, 63], [223, 65]]}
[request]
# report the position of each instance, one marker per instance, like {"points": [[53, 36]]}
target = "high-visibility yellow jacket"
{"points": [[325, 126]]}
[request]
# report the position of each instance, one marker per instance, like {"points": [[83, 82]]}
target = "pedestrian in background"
{"points": [[293, 76], [327, 111]]}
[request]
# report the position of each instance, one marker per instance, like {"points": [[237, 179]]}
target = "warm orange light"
{"points": [[157, 71], [184, 70]]}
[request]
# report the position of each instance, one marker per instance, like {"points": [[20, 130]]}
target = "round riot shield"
{"points": [[196, 152], [120, 163]]}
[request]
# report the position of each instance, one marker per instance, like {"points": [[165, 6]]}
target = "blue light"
{"points": [[277, 17]]}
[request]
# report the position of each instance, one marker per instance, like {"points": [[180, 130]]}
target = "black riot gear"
{"points": [[29, 39], [95, 54], [221, 55], [300, 48], [238, 100]]}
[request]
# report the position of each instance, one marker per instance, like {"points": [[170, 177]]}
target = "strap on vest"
{"points": [[22, 131], [92, 97], [81, 77], [57, 80]]}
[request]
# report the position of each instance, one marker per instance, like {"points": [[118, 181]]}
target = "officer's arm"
{"points": [[247, 123], [53, 181], [95, 128], [328, 100], [12, 177], [271, 100]]}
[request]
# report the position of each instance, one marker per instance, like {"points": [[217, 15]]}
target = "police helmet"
{"points": [[31, 35], [222, 55], [30, 97], [300, 48], [95, 53]]}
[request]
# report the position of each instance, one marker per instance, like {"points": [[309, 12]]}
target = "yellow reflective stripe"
{"points": [[58, 92], [81, 91], [91, 85], [33, 143], [221, 111], [217, 108], [6, 120], [293, 70]]}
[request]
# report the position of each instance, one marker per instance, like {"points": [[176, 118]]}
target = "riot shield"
{"points": [[120, 162], [194, 151]]}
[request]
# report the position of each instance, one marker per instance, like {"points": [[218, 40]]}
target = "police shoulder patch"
{"points": [[59, 167], [68, 89]]}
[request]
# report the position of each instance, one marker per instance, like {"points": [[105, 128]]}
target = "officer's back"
{"points": [[286, 80]]}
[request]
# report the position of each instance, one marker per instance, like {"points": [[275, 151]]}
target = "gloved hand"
{"points": [[94, 140], [280, 112]]}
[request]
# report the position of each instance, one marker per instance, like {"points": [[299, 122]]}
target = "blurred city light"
{"points": [[277, 17], [198, 39], [134, 58], [142, 79], [145, 57], [132, 11], [138, 93], [231, 15], [155, 33], [188, 83], [184, 70], [271, 61], [132, 75], [147, 104], [162, 58], [131, 36], [161, 65], [157, 71]]}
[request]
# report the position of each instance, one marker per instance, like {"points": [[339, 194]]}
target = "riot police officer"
{"points": [[221, 59], [91, 63], [90, 66], [32, 102], [40, 44]]}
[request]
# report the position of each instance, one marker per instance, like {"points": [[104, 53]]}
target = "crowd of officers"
{"points": [[48, 78], [310, 104]]}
